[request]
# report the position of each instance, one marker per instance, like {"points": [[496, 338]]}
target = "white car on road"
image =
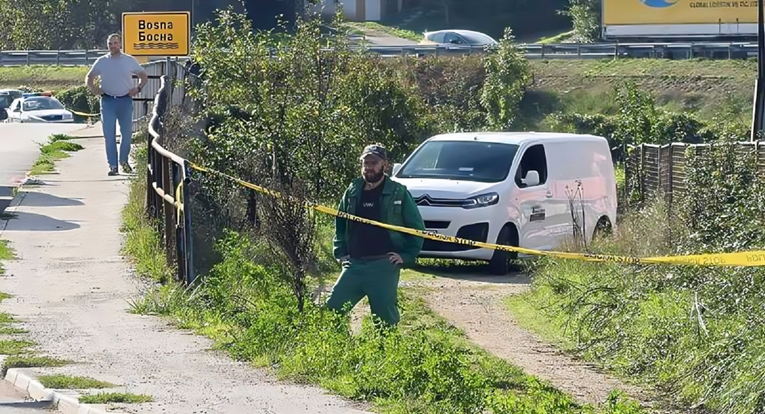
{"points": [[459, 38], [38, 107]]}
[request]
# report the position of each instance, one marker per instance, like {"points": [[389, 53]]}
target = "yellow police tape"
{"points": [[84, 114], [738, 259]]}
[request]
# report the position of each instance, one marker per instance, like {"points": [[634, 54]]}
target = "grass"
{"points": [[115, 397], [31, 361], [691, 332], [370, 28], [69, 382], [43, 76], [427, 366], [56, 149], [7, 319], [6, 253], [14, 346], [143, 245], [692, 85]]}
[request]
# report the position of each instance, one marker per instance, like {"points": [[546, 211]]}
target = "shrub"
{"points": [[693, 331]]}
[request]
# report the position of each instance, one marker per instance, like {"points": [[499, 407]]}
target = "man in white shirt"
{"points": [[117, 89]]}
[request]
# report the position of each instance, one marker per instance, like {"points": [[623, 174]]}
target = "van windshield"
{"points": [[487, 162]]}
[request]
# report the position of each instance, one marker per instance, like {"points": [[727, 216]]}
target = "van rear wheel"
{"points": [[501, 262]]}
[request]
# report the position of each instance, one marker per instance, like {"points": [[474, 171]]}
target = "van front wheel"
{"points": [[501, 262]]}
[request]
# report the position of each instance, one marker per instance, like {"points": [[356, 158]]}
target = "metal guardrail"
{"points": [[167, 176], [713, 50]]}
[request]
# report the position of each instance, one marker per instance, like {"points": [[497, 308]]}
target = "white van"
{"points": [[512, 188]]}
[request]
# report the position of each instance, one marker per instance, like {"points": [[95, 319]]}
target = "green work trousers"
{"points": [[377, 279]]}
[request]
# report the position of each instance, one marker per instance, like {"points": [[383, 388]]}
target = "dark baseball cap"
{"points": [[375, 149]]}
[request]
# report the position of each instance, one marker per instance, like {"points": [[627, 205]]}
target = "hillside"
{"points": [[693, 85], [701, 86]]}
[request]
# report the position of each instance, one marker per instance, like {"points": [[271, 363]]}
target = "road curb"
{"points": [[66, 404]]}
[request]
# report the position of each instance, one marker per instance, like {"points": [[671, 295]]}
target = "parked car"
{"points": [[38, 107], [509, 188], [462, 38], [7, 96]]}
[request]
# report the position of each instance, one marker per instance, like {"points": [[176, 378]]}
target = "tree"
{"points": [[585, 16], [307, 105]]}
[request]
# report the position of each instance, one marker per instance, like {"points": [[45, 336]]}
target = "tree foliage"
{"points": [[585, 16], [292, 113]]}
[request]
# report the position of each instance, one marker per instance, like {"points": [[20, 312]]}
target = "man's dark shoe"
{"points": [[113, 171], [126, 168]]}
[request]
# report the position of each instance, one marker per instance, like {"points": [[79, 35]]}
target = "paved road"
{"points": [[19, 150], [13, 401]]}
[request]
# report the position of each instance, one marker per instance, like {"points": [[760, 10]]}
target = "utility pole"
{"points": [[758, 116]]}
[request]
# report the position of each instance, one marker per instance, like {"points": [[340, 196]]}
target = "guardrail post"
{"points": [[150, 208], [188, 238], [28, 55], [58, 57], [167, 187], [177, 223]]}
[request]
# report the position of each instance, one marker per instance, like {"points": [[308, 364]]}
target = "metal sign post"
{"points": [[758, 109]]}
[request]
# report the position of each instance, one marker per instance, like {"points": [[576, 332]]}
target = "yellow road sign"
{"points": [[156, 33]]}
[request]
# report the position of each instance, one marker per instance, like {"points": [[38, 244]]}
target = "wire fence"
{"points": [[660, 170]]}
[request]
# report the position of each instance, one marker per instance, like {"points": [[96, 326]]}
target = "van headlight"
{"points": [[482, 200]]}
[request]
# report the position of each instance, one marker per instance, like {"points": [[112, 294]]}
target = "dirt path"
{"points": [[474, 304]]}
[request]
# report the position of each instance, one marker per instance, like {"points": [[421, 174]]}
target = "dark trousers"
{"points": [[377, 279]]}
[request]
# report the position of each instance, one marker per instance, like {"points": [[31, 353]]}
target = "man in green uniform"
{"points": [[372, 257]]}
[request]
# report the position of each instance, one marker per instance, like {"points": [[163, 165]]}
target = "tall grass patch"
{"points": [[695, 332]]}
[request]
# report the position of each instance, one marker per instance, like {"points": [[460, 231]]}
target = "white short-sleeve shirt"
{"points": [[116, 73]]}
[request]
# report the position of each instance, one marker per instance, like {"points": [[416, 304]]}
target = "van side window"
{"points": [[534, 159]]}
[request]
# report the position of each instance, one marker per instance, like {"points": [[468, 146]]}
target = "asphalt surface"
{"points": [[13, 401], [18, 151]]}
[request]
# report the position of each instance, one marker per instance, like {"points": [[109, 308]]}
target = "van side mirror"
{"points": [[18, 109], [532, 178], [396, 167]]}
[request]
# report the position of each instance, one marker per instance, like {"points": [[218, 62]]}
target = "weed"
{"points": [[14, 346], [31, 361], [6, 253], [115, 397], [61, 381], [60, 137], [56, 149], [61, 146]]}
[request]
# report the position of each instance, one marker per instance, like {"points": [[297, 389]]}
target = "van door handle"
{"points": [[548, 195]]}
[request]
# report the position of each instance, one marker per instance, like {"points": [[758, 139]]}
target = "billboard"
{"points": [[626, 12]]}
